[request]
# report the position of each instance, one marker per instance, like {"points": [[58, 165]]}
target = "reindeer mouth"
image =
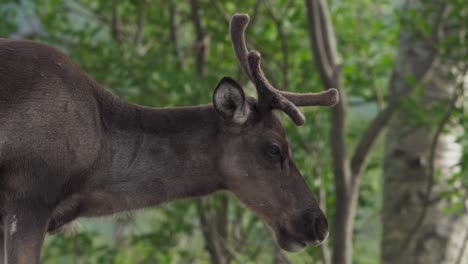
{"points": [[293, 246], [316, 243], [288, 243], [291, 243], [304, 232]]}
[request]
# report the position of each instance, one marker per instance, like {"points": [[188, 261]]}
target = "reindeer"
{"points": [[69, 149]]}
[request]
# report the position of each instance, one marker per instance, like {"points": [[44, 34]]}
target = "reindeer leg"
{"points": [[64, 214], [2, 247], [24, 225]]}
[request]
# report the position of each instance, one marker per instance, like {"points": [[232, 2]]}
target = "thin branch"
{"points": [[284, 45], [140, 23], [379, 98], [216, 243], [324, 65], [316, 170], [249, 42], [368, 139], [437, 32], [222, 223], [224, 15], [211, 244], [464, 246], [324, 250], [241, 235], [173, 34], [90, 12], [174, 214], [200, 42], [85, 10], [280, 258], [256, 11], [463, 249], [223, 217], [328, 34], [116, 25]]}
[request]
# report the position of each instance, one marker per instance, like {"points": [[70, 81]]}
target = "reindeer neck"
{"points": [[161, 154]]}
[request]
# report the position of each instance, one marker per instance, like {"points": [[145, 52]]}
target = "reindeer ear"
{"points": [[229, 101]]}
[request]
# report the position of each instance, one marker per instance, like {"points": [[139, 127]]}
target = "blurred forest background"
{"points": [[389, 164]]}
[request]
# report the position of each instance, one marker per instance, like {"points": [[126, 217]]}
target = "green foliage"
{"points": [[450, 44], [9, 13], [152, 70]]}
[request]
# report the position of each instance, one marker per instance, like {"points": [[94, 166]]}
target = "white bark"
{"points": [[440, 237]]}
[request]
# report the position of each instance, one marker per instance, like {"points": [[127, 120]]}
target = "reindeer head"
{"points": [[256, 160]]}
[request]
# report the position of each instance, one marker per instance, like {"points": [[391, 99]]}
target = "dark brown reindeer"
{"points": [[68, 148]]}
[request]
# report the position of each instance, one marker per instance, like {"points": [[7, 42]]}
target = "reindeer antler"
{"points": [[268, 96]]}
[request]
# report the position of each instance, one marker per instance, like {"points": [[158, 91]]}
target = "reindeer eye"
{"points": [[273, 151]]}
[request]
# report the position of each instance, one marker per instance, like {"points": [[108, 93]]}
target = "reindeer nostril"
{"points": [[321, 228]]}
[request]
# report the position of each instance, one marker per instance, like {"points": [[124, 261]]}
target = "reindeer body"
{"points": [[95, 156], [69, 148]]}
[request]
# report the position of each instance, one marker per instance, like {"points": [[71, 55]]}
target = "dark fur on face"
{"points": [[258, 168]]}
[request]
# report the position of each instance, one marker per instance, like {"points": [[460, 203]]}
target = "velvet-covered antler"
{"points": [[268, 96]]}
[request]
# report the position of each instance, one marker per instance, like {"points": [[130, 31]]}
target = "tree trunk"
{"points": [[418, 161], [347, 171], [201, 46]]}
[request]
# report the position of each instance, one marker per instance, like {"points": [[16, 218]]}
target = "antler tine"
{"points": [[237, 27], [329, 97], [268, 96]]}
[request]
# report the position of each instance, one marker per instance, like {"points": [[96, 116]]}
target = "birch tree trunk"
{"points": [[418, 160]]}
